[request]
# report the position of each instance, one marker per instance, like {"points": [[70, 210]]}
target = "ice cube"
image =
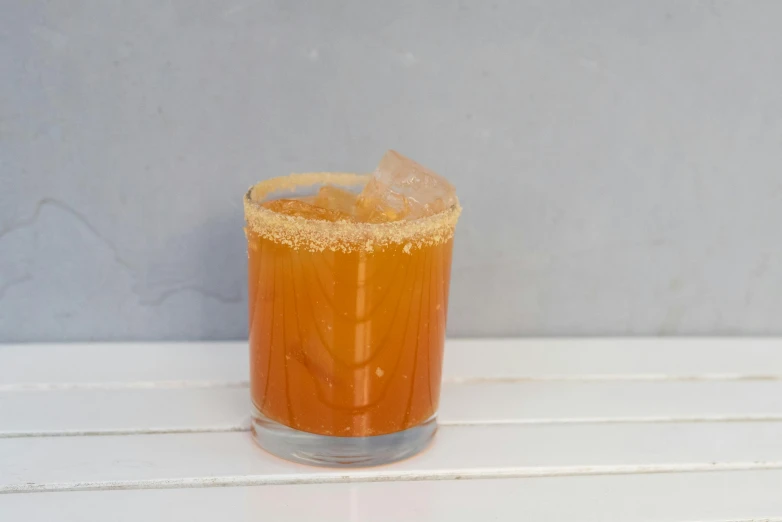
{"points": [[400, 188], [298, 208], [334, 198]]}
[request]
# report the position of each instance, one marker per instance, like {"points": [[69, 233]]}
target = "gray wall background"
{"points": [[620, 162]]}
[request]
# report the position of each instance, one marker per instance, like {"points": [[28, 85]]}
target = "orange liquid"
{"points": [[347, 343]]}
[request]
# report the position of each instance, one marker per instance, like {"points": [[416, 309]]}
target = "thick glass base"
{"points": [[325, 450]]}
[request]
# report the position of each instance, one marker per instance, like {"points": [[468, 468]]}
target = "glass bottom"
{"points": [[325, 450]]}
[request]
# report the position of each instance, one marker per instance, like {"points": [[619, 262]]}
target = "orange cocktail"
{"points": [[348, 306]]}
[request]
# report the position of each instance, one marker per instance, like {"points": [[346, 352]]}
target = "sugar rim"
{"points": [[316, 235]]}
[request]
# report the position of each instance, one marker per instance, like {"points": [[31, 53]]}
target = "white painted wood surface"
{"points": [[682, 497], [597, 429], [145, 365], [170, 410]]}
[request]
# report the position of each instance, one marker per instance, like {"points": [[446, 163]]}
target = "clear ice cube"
{"points": [[298, 208], [400, 188], [335, 198]]}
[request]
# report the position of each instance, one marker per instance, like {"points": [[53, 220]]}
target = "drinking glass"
{"points": [[346, 327]]}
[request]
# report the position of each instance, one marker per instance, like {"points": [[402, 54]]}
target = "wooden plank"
{"points": [[144, 365], [85, 412], [610, 401], [718, 496], [140, 365], [616, 358], [78, 411], [232, 459]]}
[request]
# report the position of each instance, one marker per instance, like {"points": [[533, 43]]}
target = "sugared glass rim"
{"points": [[317, 235]]}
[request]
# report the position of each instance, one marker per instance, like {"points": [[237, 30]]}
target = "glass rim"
{"points": [[318, 235]]}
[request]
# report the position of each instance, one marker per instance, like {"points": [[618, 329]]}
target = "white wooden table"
{"points": [[570, 430]]}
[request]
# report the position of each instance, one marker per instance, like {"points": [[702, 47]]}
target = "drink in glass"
{"points": [[348, 299]]}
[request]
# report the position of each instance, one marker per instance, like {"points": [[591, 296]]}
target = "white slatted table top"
{"points": [[572, 430]]}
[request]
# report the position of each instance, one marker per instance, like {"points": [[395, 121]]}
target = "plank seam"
{"points": [[382, 476], [207, 384], [131, 385], [454, 423]]}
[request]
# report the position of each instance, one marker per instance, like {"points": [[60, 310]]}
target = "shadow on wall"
{"points": [[203, 270], [61, 276]]}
